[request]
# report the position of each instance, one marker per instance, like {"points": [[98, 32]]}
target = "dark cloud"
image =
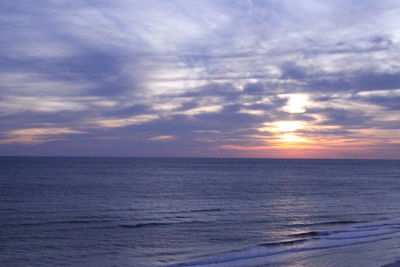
{"points": [[389, 102], [226, 121], [127, 111], [377, 81], [291, 70], [349, 119], [254, 89], [356, 81], [226, 90], [329, 84], [372, 44]]}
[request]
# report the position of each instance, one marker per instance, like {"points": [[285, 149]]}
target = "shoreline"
{"points": [[394, 264]]}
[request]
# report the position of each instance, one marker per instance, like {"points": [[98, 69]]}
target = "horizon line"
{"points": [[188, 157]]}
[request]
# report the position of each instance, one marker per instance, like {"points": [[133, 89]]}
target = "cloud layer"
{"points": [[200, 78]]}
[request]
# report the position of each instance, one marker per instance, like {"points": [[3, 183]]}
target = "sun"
{"points": [[296, 103], [288, 126], [293, 138], [285, 133]]}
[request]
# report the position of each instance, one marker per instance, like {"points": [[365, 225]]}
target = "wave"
{"points": [[325, 223], [311, 233], [281, 243], [97, 223], [305, 242], [138, 225], [326, 233], [192, 211], [46, 223], [150, 224]]}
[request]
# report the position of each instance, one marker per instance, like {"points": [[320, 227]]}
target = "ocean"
{"points": [[198, 212]]}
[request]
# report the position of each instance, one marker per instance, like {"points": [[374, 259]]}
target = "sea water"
{"points": [[205, 212]]}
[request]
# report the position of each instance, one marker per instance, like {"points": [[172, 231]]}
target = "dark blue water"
{"points": [[229, 212]]}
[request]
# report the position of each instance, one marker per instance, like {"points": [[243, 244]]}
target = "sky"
{"points": [[200, 78]]}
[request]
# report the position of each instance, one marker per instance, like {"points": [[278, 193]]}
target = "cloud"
{"points": [[208, 73], [161, 138], [122, 122], [33, 136]]}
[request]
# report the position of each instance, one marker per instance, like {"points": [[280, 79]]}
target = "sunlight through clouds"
{"points": [[296, 103], [33, 136], [226, 78]]}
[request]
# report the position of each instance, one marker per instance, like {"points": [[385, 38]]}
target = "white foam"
{"points": [[349, 236]]}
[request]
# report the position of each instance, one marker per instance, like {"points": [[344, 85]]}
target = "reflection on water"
{"points": [[156, 212]]}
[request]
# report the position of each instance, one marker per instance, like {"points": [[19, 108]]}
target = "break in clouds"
{"points": [[200, 78]]}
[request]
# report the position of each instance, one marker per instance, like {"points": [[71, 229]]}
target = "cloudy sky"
{"points": [[218, 78]]}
